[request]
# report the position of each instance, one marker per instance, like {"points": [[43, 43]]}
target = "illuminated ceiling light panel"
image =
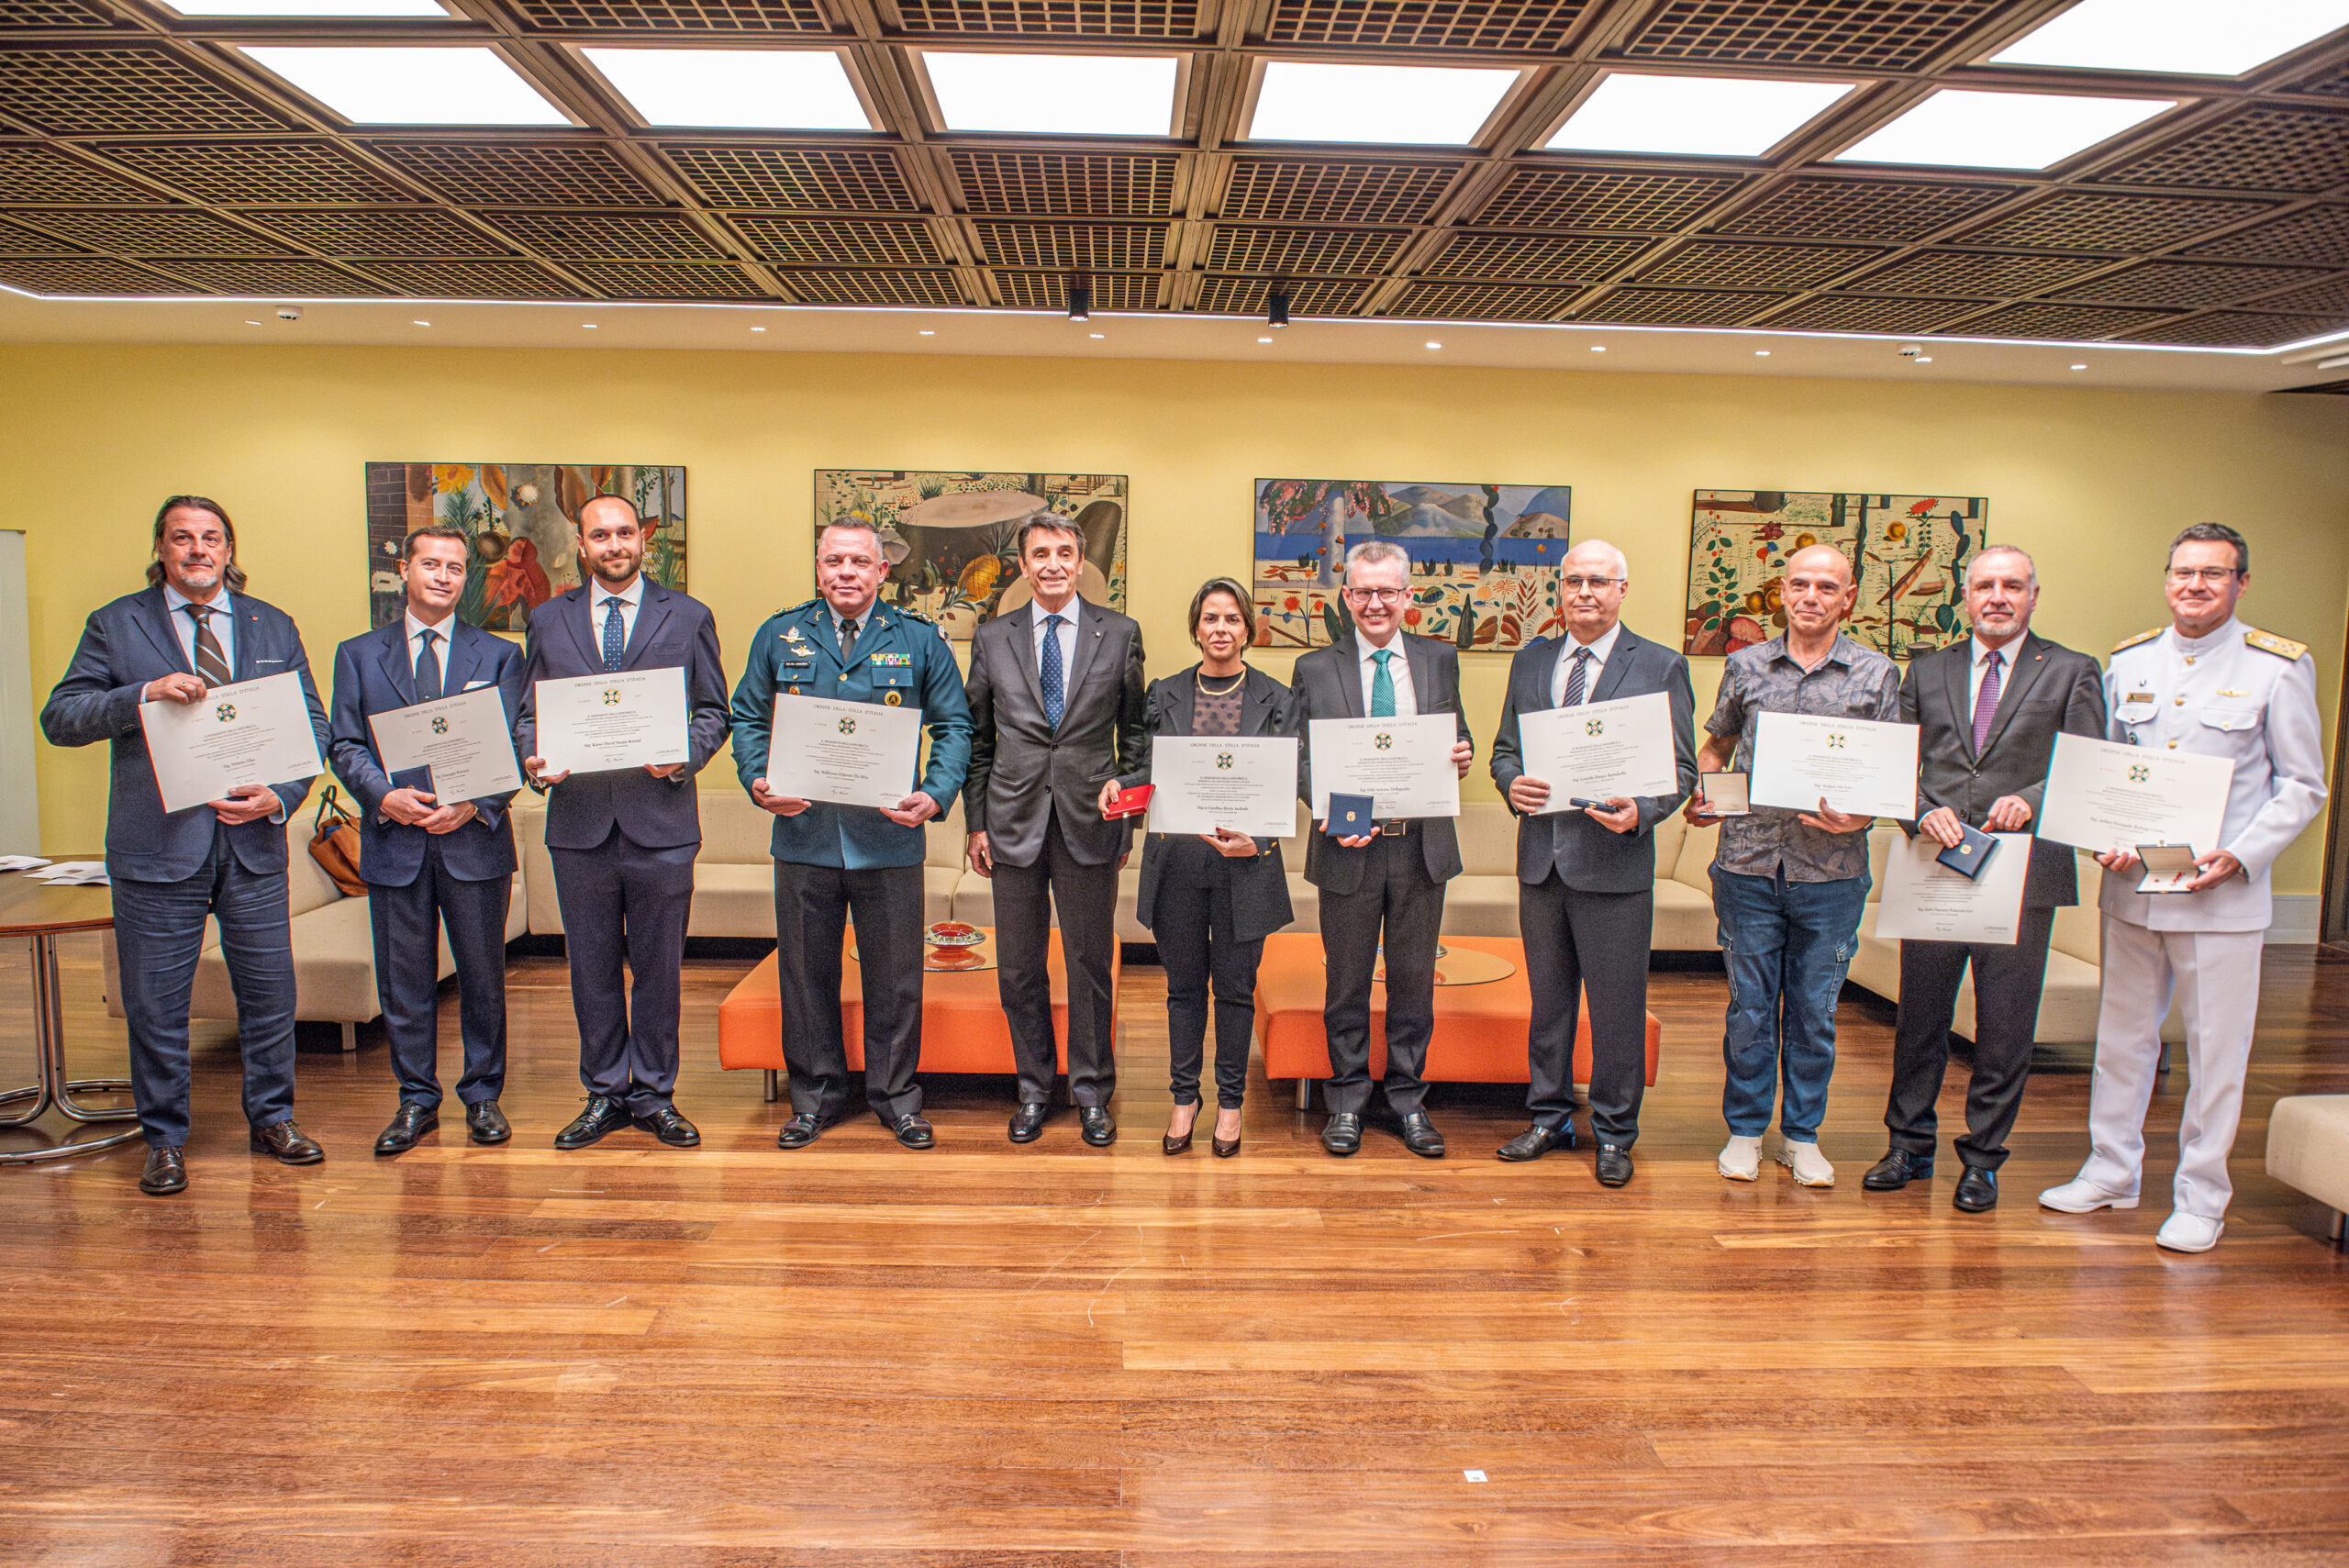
{"points": [[753, 89], [368, 10], [1391, 106], [2000, 130], [1055, 95], [411, 86], [1699, 117], [2191, 37]]}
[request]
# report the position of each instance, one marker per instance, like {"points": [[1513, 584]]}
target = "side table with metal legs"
{"points": [[38, 913]]}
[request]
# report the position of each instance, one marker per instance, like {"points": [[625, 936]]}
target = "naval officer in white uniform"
{"points": [[2210, 684]]}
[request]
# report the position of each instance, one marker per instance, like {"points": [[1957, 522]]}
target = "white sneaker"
{"points": [[1810, 1166], [1741, 1159], [2184, 1232], [2076, 1197]]}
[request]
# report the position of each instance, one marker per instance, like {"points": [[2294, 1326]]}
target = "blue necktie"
{"points": [[1382, 686], [428, 669], [615, 633], [1054, 697], [1574, 693]]}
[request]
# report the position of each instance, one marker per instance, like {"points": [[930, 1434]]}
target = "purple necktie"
{"points": [[1986, 702]]}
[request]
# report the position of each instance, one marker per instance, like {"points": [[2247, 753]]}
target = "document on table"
{"points": [[249, 732], [1403, 765], [2102, 795], [1245, 784], [851, 753], [1923, 899], [1859, 766], [72, 874], [625, 719], [1600, 750], [467, 740]]}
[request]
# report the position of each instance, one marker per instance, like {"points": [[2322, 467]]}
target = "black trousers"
{"points": [[2007, 982], [1399, 901], [407, 923], [1086, 899], [623, 911], [812, 908], [1200, 948], [1596, 943]]}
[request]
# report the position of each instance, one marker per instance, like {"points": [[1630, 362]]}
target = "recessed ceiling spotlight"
{"points": [[1761, 353], [1432, 344], [588, 326], [1704, 116], [1598, 348], [1263, 339], [2190, 38], [2079, 367], [1055, 95], [411, 86], [1097, 335], [1425, 106], [1999, 130], [423, 323], [927, 333], [756, 89], [758, 329], [249, 322], [1923, 360]]}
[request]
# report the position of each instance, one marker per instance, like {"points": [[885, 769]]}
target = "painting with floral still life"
{"points": [[1909, 553], [522, 520]]}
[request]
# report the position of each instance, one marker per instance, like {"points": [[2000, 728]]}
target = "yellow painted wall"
{"points": [[2093, 483]]}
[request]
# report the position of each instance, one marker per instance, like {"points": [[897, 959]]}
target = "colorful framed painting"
{"points": [[951, 537], [522, 519], [1484, 557], [1909, 553]]}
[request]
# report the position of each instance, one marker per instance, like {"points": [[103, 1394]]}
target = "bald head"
{"points": [[1597, 555], [1595, 579], [1815, 559], [1817, 594]]}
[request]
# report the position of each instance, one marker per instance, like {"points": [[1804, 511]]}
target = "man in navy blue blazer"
{"points": [[623, 843], [192, 628], [425, 860]]}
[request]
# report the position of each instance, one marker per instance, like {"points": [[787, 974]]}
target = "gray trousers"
{"points": [[1398, 901], [1595, 942], [812, 908]]}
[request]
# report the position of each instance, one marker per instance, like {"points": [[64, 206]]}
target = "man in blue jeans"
{"points": [[1787, 885]]}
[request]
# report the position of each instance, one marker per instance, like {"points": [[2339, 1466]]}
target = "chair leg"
{"points": [[350, 1037], [1305, 1094], [2163, 1066], [2340, 1232], [775, 1086]]}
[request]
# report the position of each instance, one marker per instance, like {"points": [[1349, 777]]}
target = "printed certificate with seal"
{"points": [[850, 753], [1243, 784], [249, 732], [1404, 764], [626, 719], [1925, 900], [1600, 750], [1859, 766], [464, 739], [2103, 796]]}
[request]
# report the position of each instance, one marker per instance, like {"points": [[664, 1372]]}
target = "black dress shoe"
{"points": [[166, 1173], [284, 1139], [1099, 1130], [671, 1129], [912, 1132], [603, 1115], [1028, 1122], [803, 1129], [411, 1122], [1535, 1141], [1614, 1164], [1342, 1134], [1977, 1190], [1420, 1137], [1896, 1170], [484, 1123]]}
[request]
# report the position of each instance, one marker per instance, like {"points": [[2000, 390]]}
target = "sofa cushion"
{"points": [[2308, 1146], [1695, 866], [1684, 920], [1483, 905]]}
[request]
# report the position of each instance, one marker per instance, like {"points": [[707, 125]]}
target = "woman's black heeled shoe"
{"points": [[1170, 1145], [1223, 1150]]}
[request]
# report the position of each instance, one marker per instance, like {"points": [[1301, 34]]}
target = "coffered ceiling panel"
{"points": [[605, 236], [898, 287], [1049, 290], [1870, 313], [1570, 198], [93, 92], [2083, 322], [1053, 19], [2189, 282], [1484, 302], [240, 174], [2093, 220], [1542, 258], [354, 231], [1894, 211], [1992, 275], [1540, 26], [1888, 35], [2241, 328], [177, 232], [2311, 234], [522, 174], [1283, 191], [838, 242], [277, 276], [1710, 307], [31, 172], [2257, 148], [1082, 247], [668, 280], [1079, 184], [671, 16], [1716, 263], [782, 179], [1280, 253]]}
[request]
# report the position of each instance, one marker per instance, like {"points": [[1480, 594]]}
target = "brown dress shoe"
{"points": [[166, 1173], [284, 1139]]}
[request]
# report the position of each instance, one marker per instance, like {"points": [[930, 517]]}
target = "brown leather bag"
{"points": [[334, 844]]}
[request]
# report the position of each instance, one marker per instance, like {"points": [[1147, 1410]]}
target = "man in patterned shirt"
{"points": [[1788, 886]]}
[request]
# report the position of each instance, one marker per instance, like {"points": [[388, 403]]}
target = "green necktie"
{"points": [[1382, 686]]}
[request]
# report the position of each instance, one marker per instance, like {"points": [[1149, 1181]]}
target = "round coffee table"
{"points": [[40, 913]]}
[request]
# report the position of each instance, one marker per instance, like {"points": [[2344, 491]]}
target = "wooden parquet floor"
{"points": [[860, 1355]]}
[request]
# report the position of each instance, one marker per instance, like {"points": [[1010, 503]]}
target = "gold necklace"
{"points": [[1200, 681]]}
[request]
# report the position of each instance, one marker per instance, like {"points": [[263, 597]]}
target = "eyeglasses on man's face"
{"points": [[2214, 576], [1377, 596], [1589, 584]]}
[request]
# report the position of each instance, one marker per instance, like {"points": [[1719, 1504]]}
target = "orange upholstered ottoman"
{"points": [[1479, 1030], [963, 1029]]}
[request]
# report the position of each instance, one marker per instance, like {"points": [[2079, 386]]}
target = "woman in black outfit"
{"points": [[1210, 899]]}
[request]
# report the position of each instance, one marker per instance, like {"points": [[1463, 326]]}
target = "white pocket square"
{"points": [[476, 685]]}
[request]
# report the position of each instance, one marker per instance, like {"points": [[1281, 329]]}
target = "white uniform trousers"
{"points": [[2216, 977]]}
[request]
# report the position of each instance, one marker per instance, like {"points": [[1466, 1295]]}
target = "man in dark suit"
{"points": [[425, 860], [623, 843], [1586, 905], [193, 628], [835, 862], [1988, 712], [1057, 704], [1391, 881]]}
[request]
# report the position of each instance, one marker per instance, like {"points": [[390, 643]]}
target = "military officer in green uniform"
{"points": [[835, 861]]}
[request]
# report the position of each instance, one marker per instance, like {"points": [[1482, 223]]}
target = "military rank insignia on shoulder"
{"points": [[2141, 637], [2282, 647]]}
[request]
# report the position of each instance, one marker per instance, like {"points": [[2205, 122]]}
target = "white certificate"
{"points": [[2102, 795], [627, 719], [1245, 784], [466, 741], [1924, 900], [251, 732], [1600, 750], [1403, 765], [1858, 766], [851, 753]]}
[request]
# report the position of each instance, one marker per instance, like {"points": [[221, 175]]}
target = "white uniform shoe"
{"points": [[1741, 1159], [2184, 1232], [1810, 1166], [2078, 1197]]}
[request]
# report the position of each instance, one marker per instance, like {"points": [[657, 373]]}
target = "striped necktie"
{"points": [[1575, 676], [210, 662]]}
